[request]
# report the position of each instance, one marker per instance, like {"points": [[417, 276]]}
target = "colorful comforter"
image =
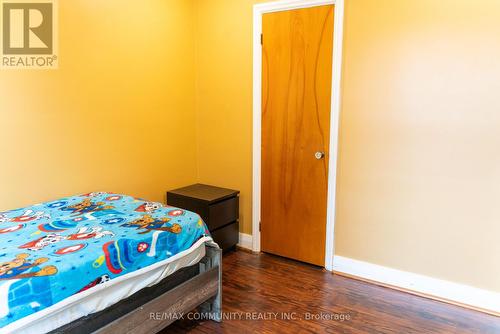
{"points": [[54, 250]]}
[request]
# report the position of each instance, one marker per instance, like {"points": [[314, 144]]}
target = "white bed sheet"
{"points": [[104, 295]]}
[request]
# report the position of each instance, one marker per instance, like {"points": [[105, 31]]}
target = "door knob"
{"points": [[319, 155]]}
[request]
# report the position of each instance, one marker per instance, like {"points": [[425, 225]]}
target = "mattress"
{"points": [[68, 258], [106, 294]]}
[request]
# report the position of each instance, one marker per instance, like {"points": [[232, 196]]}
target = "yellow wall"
{"points": [[224, 97], [419, 167], [419, 153], [117, 115]]}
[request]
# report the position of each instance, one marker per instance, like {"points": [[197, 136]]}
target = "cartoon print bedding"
{"points": [[54, 250]]}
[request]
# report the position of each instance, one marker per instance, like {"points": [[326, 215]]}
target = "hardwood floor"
{"points": [[266, 283]]}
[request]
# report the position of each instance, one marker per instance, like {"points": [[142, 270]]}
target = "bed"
{"points": [[105, 263]]}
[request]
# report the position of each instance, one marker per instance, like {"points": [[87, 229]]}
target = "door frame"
{"points": [[258, 11]]}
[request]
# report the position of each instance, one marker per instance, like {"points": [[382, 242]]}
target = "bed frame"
{"points": [[152, 309]]}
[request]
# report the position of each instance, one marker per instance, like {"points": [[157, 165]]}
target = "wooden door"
{"points": [[296, 95]]}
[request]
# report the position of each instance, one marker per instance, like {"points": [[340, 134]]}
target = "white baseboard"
{"points": [[468, 296], [245, 241]]}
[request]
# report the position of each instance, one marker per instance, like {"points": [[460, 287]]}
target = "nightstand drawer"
{"points": [[227, 236], [222, 213]]}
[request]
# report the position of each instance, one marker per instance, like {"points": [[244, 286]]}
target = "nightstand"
{"points": [[218, 207]]}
